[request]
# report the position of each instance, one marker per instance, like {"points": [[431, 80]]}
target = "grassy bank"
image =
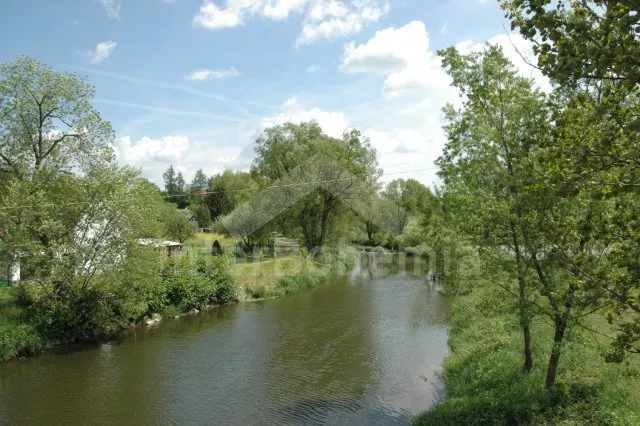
{"points": [[485, 383], [281, 276]]}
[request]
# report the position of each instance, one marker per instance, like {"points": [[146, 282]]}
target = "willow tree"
{"points": [[322, 173]]}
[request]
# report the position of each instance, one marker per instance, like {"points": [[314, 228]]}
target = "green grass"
{"points": [[485, 383], [202, 242], [288, 275]]}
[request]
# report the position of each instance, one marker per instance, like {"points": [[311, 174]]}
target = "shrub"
{"points": [[192, 283], [216, 248], [259, 292], [19, 340]]}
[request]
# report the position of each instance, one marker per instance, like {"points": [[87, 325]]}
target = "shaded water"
{"points": [[359, 350]]}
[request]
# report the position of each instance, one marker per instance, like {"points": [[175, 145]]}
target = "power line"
{"points": [[235, 190]]}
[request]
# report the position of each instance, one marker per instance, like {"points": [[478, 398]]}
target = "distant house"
{"points": [[170, 248]]}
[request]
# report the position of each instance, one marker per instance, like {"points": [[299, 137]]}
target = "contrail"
{"points": [[170, 86], [169, 110]]}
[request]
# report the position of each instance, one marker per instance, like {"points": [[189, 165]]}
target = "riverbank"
{"points": [[485, 383], [278, 277], [191, 283]]}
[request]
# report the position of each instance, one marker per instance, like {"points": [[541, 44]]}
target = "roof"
{"points": [[158, 243]]}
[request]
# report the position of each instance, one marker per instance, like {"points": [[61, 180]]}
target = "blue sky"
{"points": [[192, 82]]}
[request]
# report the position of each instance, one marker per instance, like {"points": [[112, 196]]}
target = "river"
{"points": [[365, 349]]}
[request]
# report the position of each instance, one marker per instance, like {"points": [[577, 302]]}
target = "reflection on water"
{"points": [[362, 350]]}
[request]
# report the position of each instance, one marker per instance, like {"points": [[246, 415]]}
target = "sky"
{"points": [[192, 83]]}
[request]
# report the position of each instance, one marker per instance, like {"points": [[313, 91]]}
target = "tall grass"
{"points": [[485, 383], [283, 276]]}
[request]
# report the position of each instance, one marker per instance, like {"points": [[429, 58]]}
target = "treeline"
{"points": [[545, 188], [310, 187]]}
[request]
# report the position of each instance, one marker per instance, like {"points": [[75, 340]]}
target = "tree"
{"points": [[170, 186], [587, 40], [410, 198], [174, 187], [485, 164], [200, 180], [336, 170], [180, 183], [177, 223], [228, 190], [48, 129], [96, 277], [48, 124], [247, 223], [202, 214], [591, 49]]}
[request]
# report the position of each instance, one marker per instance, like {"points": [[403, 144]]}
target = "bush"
{"points": [[18, 340], [259, 292], [193, 283], [216, 248], [69, 307]]}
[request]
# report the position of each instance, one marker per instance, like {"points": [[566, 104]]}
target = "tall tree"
{"points": [[170, 186], [486, 166], [180, 183], [593, 48], [331, 170], [48, 123], [48, 130], [410, 198], [200, 180], [228, 190]]}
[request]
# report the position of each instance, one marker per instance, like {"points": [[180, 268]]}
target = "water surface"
{"points": [[359, 350]]}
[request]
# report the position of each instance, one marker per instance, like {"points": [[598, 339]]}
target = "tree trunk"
{"points": [[323, 228], [522, 304], [371, 230], [552, 368], [528, 356], [524, 322]]}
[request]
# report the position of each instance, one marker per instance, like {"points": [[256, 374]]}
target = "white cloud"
{"points": [[112, 7], [212, 17], [333, 19], [313, 68], [518, 50], [444, 29], [326, 19], [212, 74], [168, 148], [402, 55], [187, 153], [332, 123], [102, 51]]}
